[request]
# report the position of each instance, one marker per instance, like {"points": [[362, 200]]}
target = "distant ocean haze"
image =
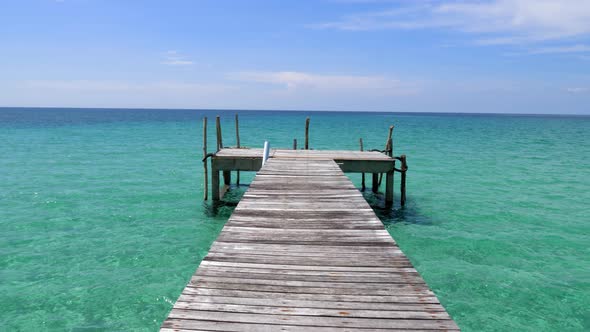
{"points": [[103, 221]]}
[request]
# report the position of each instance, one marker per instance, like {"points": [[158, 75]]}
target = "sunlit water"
{"points": [[102, 220]]}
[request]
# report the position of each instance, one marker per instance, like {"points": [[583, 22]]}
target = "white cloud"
{"points": [[579, 48], [577, 90], [173, 58], [292, 80], [493, 22]]}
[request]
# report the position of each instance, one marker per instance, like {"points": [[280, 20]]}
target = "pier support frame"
{"points": [[224, 165]]}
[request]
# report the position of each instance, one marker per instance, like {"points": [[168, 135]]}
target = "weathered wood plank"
{"points": [[286, 310], [402, 298], [312, 321]]}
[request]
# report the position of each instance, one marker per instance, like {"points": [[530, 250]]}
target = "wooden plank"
{"points": [[303, 251], [204, 292], [286, 310], [311, 321], [279, 302]]}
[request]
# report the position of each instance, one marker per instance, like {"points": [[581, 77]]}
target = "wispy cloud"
{"points": [[577, 90], [99, 86], [293, 80], [491, 22], [578, 48], [173, 58]]}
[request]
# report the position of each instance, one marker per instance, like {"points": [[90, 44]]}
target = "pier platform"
{"points": [[303, 251], [233, 159]]}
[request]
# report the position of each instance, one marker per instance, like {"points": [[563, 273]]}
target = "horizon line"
{"points": [[289, 110]]}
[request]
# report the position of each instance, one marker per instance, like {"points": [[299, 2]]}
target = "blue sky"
{"points": [[519, 56]]}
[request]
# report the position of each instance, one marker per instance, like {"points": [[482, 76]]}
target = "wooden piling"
{"points": [[363, 187], [375, 184], [389, 188], [294, 144], [388, 148], [307, 133], [227, 178], [403, 180], [226, 174], [219, 137], [389, 145], [205, 170], [238, 146], [215, 196]]}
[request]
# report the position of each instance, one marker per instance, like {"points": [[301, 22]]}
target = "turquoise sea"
{"points": [[102, 220]]}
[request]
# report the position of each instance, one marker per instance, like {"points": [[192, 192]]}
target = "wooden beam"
{"points": [[253, 164]]}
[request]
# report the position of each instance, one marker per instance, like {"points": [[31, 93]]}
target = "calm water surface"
{"points": [[102, 221]]}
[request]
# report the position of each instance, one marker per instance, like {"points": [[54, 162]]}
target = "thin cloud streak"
{"points": [[577, 90], [173, 58], [492, 22], [579, 48], [293, 80]]}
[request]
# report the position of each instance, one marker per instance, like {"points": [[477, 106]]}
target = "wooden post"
{"points": [[307, 133], [403, 181], [363, 187], [219, 137], [389, 188], [375, 184], [388, 148], [206, 193], [227, 178], [226, 174], [389, 145], [214, 181], [238, 146], [294, 144]]}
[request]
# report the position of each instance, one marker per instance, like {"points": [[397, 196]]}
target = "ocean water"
{"points": [[102, 220]]}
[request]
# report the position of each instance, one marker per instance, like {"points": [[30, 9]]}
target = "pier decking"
{"points": [[228, 159], [303, 251]]}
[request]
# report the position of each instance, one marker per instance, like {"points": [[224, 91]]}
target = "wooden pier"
{"points": [[303, 251]]}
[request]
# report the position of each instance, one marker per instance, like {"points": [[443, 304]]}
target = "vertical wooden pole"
{"points": [[227, 178], [294, 144], [389, 145], [226, 174], [238, 146], [389, 188], [403, 181], [214, 181], [388, 148], [363, 187], [206, 176], [375, 184], [307, 133], [219, 137]]}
